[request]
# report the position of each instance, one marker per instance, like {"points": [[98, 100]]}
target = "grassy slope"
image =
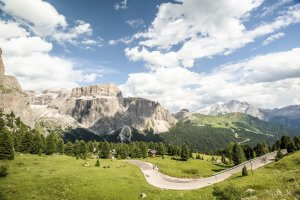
{"points": [[62, 177], [178, 168]]}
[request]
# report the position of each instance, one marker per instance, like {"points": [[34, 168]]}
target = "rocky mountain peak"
{"points": [[96, 91], [233, 106]]}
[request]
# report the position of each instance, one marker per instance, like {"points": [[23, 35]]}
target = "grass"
{"points": [[187, 169], [61, 177]]}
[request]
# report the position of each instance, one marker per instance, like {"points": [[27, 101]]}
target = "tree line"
{"points": [[15, 136]]}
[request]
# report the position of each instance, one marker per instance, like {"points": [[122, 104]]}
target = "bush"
{"points": [[3, 170], [244, 171], [191, 171], [279, 155], [97, 163], [229, 192]]}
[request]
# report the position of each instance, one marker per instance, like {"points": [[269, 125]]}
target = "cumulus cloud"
{"points": [[267, 80], [272, 38], [39, 71], [44, 20], [201, 29], [24, 39]]}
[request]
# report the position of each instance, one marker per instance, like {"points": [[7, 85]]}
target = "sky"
{"points": [[181, 53]]}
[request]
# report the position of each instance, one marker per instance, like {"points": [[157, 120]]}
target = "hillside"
{"points": [[207, 132], [68, 179]]}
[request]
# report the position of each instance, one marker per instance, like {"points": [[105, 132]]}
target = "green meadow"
{"points": [[62, 177]]}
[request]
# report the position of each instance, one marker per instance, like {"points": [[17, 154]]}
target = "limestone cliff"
{"points": [[103, 109], [12, 98]]}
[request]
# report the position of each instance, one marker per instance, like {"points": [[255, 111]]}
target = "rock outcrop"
{"points": [[233, 106], [12, 98], [103, 110]]}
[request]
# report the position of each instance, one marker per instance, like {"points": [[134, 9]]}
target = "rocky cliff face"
{"points": [[103, 109], [12, 98]]}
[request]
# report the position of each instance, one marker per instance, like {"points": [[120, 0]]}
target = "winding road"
{"points": [[163, 181]]}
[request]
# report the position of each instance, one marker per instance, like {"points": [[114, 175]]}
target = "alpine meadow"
{"points": [[158, 100]]}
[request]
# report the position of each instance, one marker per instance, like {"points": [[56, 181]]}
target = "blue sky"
{"points": [[183, 53]]}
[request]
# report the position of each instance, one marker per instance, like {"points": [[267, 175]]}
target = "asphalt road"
{"points": [[163, 181]]}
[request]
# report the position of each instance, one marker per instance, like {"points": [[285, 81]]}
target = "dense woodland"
{"points": [[15, 136]]}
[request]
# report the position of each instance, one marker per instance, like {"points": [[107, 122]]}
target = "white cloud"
{"points": [[39, 71], [44, 21], [201, 29], [24, 39], [122, 5], [124, 40], [134, 23], [272, 38], [24, 46], [39, 15], [269, 80]]}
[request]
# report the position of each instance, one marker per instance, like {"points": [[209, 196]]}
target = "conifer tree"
{"points": [[83, 149], [279, 155], [76, 148], [144, 149], [105, 150], [185, 152], [51, 144], [36, 143], [60, 146], [291, 147], [297, 142], [6, 145], [69, 149], [238, 155], [97, 163], [25, 144], [245, 171]]}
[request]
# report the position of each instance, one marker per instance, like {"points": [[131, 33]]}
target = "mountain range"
{"points": [[101, 112]]}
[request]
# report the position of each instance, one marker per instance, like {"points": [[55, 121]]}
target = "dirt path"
{"points": [[163, 181]]}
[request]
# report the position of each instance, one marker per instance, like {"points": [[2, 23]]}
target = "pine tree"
{"points": [[60, 146], [185, 152], [97, 163], [83, 149], [245, 171], [297, 142], [69, 149], [36, 143], [105, 150], [223, 159], [284, 141], [6, 145], [238, 155], [279, 155], [76, 148], [161, 149], [291, 147], [51, 144], [144, 149], [136, 152], [25, 144]]}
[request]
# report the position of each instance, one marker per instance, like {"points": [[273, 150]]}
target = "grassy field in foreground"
{"points": [[61, 177], [187, 169]]}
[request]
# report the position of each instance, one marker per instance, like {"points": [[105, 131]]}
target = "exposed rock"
{"points": [[183, 113], [12, 98], [233, 106], [103, 110]]}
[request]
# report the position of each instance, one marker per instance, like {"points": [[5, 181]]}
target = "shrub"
{"points": [[3, 170], [279, 155], [97, 163], [244, 171], [229, 192]]}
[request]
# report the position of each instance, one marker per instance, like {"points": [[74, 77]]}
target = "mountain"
{"points": [[232, 106], [13, 98], [209, 132], [101, 109]]}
